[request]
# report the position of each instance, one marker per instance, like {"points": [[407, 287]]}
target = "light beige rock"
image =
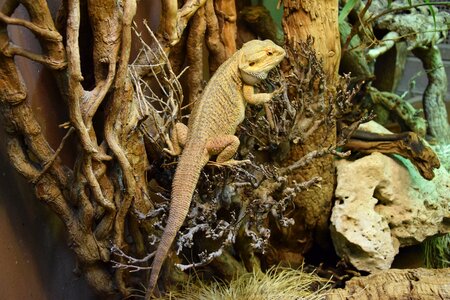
{"points": [[383, 204]]}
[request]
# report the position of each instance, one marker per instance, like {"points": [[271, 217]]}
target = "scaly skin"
{"points": [[211, 129]]}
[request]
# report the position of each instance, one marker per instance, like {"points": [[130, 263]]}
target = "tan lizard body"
{"points": [[211, 129]]}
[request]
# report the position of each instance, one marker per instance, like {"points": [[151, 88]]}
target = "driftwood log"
{"points": [[407, 144]]}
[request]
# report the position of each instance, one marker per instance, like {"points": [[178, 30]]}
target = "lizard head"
{"points": [[257, 58]]}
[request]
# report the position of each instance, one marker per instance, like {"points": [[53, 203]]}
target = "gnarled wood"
{"points": [[418, 284], [407, 144]]}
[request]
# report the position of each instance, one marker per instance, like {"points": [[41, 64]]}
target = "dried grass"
{"points": [[277, 283]]}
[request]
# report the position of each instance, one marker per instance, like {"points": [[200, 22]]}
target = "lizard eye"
{"points": [[269, 53], [251, 64]]}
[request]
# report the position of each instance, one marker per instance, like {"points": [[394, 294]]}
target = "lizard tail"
{"points": [[183, 187]]}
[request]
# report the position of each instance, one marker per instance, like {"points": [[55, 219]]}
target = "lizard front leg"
{"points": [[258, 98], [177, 139]]}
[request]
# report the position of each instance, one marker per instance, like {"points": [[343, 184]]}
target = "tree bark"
{"points": [[319, 20], [227, 15]]}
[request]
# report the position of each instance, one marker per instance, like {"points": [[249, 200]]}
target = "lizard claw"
{"points": [[171, 152], [279, 90], [172, 148]]}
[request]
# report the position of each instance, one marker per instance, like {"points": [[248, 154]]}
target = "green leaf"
{"points": [[432, 13], [346, 10]]}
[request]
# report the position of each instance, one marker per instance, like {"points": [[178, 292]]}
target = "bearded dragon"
{"points": [[211, 128]]}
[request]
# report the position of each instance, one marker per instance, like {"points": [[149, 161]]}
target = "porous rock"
{"points": [[382, 203]]}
